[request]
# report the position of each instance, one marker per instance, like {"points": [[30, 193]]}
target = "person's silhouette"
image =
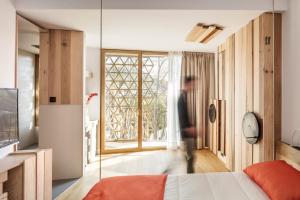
{"points": [[187, 130]]}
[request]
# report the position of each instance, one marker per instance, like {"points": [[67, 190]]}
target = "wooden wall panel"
{"points": [[248, 64], [44, 62], [77, 67], [267, 86], [257, 82], [229, 100], [225, 79], [240, 96], [266, 21], [252, 89], [54, 66], [288, 153], [61, 67], [222, 127], [277, 76], [221, 73], [65, 68]]}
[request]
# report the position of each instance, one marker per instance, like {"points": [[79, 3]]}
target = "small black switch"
{"points": [[52, 99]]}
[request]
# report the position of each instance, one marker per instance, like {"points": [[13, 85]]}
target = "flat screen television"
{"points": [[8, 117]]}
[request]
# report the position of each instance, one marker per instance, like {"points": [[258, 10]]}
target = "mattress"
{"points": [[213, 186]]}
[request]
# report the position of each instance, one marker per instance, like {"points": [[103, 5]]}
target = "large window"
{"points": [[134, 100], [154, 100]]}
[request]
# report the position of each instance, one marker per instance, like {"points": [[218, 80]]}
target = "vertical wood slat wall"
{"points": [[61, 71], [249, 87]]}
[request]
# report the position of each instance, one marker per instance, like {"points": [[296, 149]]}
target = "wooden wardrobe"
{"points": [[247, 82]]}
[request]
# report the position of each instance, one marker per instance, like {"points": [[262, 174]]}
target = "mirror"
{"points": [[27, 76]]}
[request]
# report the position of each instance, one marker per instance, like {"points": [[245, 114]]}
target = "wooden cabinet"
{"points": [[3, 179], [61, 100], [26, 175], [251, 82], [61, 67]]}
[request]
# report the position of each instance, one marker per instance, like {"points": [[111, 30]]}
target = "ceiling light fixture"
{"points": [[203, 33]]}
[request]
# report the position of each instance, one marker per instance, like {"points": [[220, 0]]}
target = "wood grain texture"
{"points": [[40, 175], [40, 169], [252, 89], [44, 63], [277, 76], [65, 68], [77, 68], [229, 52], [288, 153], [207, 162], [3, 177], [221, 60], [4, 196], [222, 125], [29, 175], [48, 174], [267, 86], [14, 187], [43, 167], [257, 82], [54, 67], [248, 63], [61, 67], [240, 96]]}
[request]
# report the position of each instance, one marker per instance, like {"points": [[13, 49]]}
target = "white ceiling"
{"points": [[163, 30], [153, 4]]}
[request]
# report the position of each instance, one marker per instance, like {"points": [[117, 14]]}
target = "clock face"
{"points": [[212, 113], [250, 128]]}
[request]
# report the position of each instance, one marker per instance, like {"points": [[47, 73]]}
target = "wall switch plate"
{"points": [[52, 99]]}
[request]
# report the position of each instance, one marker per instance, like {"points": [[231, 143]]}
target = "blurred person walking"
{"points": [[187, 130]]}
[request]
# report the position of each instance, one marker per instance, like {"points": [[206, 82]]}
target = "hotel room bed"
{"points": [[213, 186], [274, 180]]}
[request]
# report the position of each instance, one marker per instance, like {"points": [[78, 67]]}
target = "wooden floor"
{"points": [[205, 162]]}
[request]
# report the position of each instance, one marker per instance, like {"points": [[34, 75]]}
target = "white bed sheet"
{"points": [[213, 186]]}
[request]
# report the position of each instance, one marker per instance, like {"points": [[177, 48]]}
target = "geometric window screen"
{"points": [[121, 100], [154, 100]]}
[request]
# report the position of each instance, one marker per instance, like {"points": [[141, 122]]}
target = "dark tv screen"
{"points": [[8, 116]]}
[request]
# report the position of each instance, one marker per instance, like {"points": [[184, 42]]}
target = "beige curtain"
{"points": [[202, 67]]}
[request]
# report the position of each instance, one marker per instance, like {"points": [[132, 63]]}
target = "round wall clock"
{"points": [[250, 128], [212, 113]]}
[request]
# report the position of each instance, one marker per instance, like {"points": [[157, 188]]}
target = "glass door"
{"points": [[133, 100], [119, 105], [154, 99]]}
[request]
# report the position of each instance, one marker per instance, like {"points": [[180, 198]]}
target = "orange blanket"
{"points": [[129, 188]]}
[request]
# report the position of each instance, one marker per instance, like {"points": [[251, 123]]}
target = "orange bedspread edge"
{"points": [[129, 188]]}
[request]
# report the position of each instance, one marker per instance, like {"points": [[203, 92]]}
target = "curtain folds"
{"points": [[201, 66], [174, 77]]}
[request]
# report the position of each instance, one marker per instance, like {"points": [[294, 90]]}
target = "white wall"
{"points": [[61, 129], [93, 84], [7, 51], [26, 86], [290, 70]]}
